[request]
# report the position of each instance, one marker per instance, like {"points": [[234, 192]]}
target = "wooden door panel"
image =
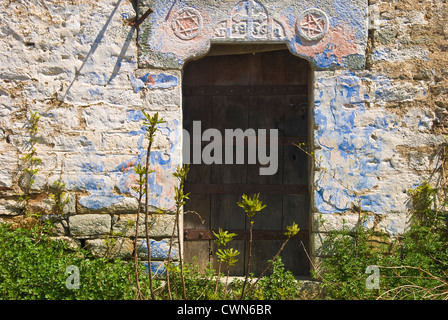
{"points": [[295, 209], [260, 91], [296, 116], [267, 112], [226, 213], [230, 112], [270, 218], [233, 70], [199, 73], [199, 218], [295, 258], [295, 164], [262, 252], [198, 252]]}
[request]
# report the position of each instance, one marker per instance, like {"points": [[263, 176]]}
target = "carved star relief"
{"points": [[187, 24], [312, 24]]}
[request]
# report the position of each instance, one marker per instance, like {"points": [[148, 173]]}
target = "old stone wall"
{"points": [[75, 64], [376, 120], [378, 130]]}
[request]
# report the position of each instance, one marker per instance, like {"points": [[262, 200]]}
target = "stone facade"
{"points": [[379, 103]]}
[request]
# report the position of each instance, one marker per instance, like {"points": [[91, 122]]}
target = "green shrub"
{"points": [[33, 266], [279, 285], [413, 266]]}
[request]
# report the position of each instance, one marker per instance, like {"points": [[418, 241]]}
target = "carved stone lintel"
{"points": [[249, 20]]}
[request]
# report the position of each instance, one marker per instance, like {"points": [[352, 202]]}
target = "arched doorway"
{"points": [[255, 87]]}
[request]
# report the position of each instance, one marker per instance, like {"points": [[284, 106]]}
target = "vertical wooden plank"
{"points": [[197, 252], [295, 166], [262, 252], [297, 70], [296, 207], [199, 72], [229, 112], [295, 258], [197, 108], [296, 115], [268, 68], [267, 112], [231, 70]]}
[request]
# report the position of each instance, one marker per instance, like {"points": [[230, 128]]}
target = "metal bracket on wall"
{"points": [[137, 23]]}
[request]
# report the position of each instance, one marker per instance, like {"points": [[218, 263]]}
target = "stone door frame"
{"points": [[333, 38]]}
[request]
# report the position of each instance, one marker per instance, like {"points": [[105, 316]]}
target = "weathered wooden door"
{"points": [[266, 90]]}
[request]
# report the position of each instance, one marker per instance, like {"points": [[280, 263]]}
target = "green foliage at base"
{"points": [[413, 266], [33, 267]]}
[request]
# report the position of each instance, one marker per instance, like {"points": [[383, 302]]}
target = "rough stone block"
{"points": [[159, 249], [111, 204], [73, 244], [111, 247], [160, 225], [9, 207], [89, 225]]}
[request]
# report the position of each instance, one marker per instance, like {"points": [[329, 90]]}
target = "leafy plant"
{"points": [[58, 194], [347, 256], [279, 285], [292, 230], [250, 205], [227, 256], [223, 237], [33, 267], [30, 160], [198, 281], [413, 266], [179, 198], [140, 171], [419, 267], [151, 123]]}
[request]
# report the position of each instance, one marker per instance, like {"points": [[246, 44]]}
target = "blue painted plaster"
{"points": [[97, 202], [154, 81], [159, 249], [157, 268], [347, 151], [101, 192], [100, 183], [326, 59], [163, 161], [134, 115]]}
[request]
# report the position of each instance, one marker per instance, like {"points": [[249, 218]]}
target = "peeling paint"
{"points": [[153, 81], [343, 26]]}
